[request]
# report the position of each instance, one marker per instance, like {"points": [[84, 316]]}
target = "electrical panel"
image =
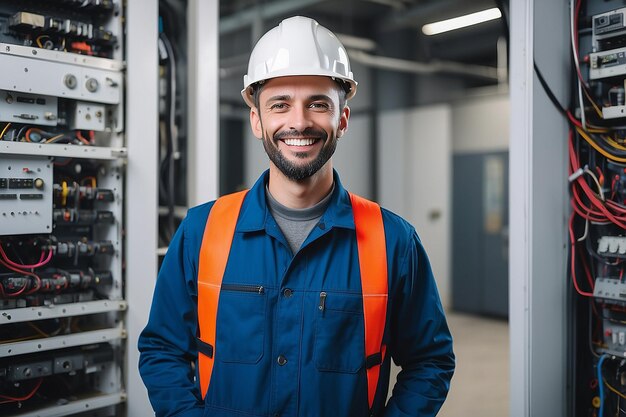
{"points": [[62, 179], [597, 223]]}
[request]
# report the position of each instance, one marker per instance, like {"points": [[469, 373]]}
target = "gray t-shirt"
{"points": [[296, 224]]}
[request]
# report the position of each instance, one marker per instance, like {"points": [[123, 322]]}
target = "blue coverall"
{"points": [[278, 353]]}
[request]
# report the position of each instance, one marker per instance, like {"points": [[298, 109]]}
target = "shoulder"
{"points": [[397, 228], [195, 221], [402, 240]]}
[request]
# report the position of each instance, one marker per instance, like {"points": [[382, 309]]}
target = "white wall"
{"points": [[481, 124], [415, 176]]}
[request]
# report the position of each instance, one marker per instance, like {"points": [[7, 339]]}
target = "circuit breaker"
{"points": [[62, 178]]}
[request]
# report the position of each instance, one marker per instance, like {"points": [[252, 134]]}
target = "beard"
{"points": [[293, 170]]}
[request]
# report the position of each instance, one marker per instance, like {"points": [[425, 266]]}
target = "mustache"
{"points": [[309, 132]]}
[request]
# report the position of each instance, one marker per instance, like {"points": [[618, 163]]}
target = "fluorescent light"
{"points": [[461, 21]]}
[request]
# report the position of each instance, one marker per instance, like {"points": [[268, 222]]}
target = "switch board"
{"points": [[87, 116], [28, 108], [59, 79], [26, 190]]}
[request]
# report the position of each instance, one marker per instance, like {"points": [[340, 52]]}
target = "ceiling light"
{"points": [[461, 21]]}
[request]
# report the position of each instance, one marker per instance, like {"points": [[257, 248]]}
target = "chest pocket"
{"points": [[240, 332], [339, 333]]}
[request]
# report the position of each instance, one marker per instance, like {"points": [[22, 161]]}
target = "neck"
{"points": [[300, 194]]}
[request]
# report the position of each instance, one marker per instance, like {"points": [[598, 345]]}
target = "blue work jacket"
{"points": [[277, 352]]}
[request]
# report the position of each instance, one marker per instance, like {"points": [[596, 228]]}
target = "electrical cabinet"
{"points": [[480, 247], [597, 221], [63, 164]]}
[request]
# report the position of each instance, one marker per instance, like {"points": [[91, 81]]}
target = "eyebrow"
{"points": [[283, 97], [317, 97]]}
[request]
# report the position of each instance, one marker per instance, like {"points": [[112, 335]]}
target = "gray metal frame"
{"points": [[538, 202], [142, 191]]}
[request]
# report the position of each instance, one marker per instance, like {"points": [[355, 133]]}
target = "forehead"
{"points": [[299, 86]]}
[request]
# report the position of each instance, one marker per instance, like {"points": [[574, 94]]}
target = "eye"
{"points": [[319, 105], [278, 106]]}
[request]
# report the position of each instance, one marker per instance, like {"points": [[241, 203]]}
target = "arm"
{"points": [[167, 344], [420, 343]]}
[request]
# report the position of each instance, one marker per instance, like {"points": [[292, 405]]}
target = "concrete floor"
{"points": [[480, 386]]}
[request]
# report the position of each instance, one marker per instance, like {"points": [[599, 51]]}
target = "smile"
{"points": [[299, 142]]}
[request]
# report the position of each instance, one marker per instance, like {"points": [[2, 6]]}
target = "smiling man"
{"points": [[292, 298]]}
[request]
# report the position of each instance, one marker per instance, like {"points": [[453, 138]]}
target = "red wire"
{"points": [[37, 280], [82, 138], [24, 266], [597, 210], [574, 120], [25, 397]]}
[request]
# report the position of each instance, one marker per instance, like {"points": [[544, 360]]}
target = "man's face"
{"points": [[299, 121]]}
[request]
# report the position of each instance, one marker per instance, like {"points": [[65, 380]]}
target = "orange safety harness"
{"points": [[216, 243]]}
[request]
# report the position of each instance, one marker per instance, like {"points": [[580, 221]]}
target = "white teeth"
{"points": [[299, 142]]}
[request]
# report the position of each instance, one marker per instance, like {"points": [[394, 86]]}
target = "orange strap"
{"points": [[216, 242], [370, 236]]}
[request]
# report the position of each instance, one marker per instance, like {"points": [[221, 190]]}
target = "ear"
{"points": [[343, 121], [255, 123]]}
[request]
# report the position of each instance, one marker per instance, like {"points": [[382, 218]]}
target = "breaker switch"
{"points": [[92, 85], [105, 195], [39, 182]]}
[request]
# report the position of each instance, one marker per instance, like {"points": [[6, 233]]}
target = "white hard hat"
{"points": [[297, 46]]}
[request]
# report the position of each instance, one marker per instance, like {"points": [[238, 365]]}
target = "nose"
{"points": [[300, 118]]}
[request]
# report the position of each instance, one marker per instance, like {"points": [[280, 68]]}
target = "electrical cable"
{"points": [[23, 266], [19, 271], [6, 127], [613, 389], [23, 398], [549, 92], [600, 384], [573, 259]]}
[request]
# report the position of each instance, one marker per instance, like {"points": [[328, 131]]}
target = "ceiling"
{"points": [[378, 20]]}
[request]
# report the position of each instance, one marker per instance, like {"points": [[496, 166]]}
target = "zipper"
{"points": [[258, 289], [322, 304]]}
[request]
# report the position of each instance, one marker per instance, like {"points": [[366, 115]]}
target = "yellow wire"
{"points": [[38, 330], [614, 144], [598, 148], [593, 103], [20, 339], [4, 130], [54, 137], [38, 40], [613, 389]]}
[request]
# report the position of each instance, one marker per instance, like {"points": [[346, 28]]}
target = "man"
{"points": [[290, 333]]}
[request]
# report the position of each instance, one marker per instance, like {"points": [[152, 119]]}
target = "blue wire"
{"points": [[601, 383]]}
